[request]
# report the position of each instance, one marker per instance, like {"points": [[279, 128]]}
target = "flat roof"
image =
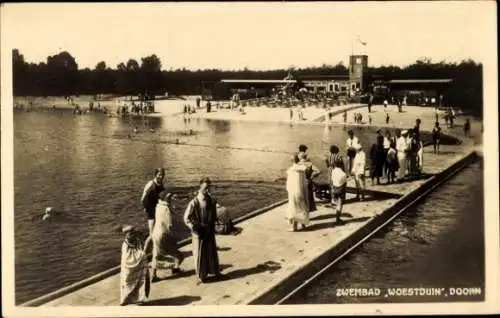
{"points": [[312, 77], [423, 81], [249, 81]]}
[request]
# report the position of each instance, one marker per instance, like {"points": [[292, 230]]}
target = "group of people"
{"points": [[397, 157], [188, 109], [299, 113], [143, 107], [300, 183], [204, 216], [358, 118]]}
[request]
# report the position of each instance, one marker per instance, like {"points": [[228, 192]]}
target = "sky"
{"points": [[253, 35]]}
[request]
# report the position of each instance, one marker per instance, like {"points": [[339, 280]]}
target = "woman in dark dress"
{"points": [[414, 148], [311, 172], [377, 159]]}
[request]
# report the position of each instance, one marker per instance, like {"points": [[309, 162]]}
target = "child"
{"points": [[223, 224], [392, 163], [387, 118], [134, 274], [338, 184]]}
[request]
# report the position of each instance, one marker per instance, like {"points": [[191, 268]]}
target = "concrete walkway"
{"points": [[265, 254]]}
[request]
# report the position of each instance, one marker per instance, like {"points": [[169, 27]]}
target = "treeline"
{"points": [[60, 76]]}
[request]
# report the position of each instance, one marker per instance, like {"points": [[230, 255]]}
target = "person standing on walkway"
{"points": [[338, 181], [311, 172], [358, 171], [297, 210], [134, 271], [345, 116], [401, 148], [467, 128], [391, 162], [420, 155], [164, 242], [416, 129], [200, 217], [414, 143], [451, 115], [377, 156], [387, 144], [370, 102], [150, 196], [436, 136], [351, 143], [408, 151], [333, 159]]}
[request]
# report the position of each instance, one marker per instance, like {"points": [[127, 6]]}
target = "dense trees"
{"points": [[60, 75]]}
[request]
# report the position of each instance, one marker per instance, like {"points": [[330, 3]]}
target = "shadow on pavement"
{"points": [[333, 224], [174, 301], [329, 216], [269, 266]]}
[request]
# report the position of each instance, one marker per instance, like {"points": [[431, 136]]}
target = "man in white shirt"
{"points": [[401, 148], [338, 189], [358, 171]]}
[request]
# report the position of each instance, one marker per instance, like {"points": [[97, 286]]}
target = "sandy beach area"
{"points": [[311, 115], [269, 114]]}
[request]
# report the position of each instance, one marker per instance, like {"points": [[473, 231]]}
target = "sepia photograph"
{"points": [[249, 158]]}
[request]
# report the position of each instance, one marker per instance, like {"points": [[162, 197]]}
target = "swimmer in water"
{"points": [[48, 214]]}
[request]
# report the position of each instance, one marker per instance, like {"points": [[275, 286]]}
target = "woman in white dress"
{"points": [[358, 171], [165, 251], [402, 149], [296, 185]]}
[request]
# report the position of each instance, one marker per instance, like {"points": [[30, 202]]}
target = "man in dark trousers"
{"points": [[370, 102], [150, 196]]}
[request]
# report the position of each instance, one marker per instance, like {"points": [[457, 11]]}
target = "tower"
{"points": [[357, 67]]}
